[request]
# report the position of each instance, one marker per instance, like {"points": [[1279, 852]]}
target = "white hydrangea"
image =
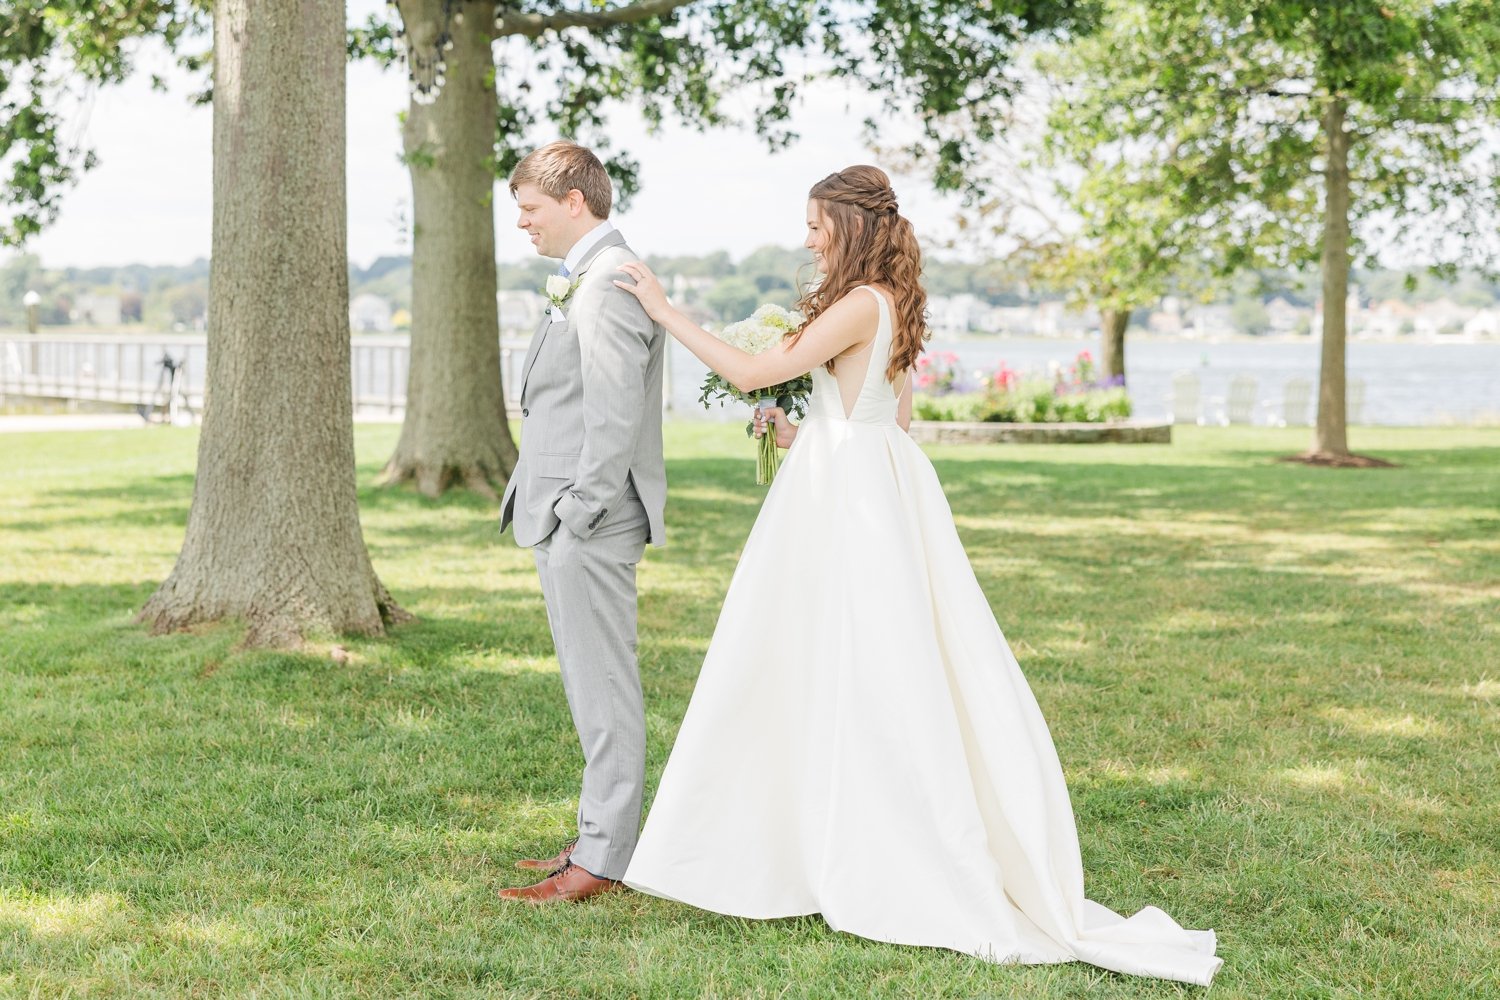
{"points": [[765, 328]]}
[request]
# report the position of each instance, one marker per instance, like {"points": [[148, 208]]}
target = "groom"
{"points": [[586, 496]]}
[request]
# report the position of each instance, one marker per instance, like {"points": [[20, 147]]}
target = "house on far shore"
{"points": [[97, 310], [1441, 318], [1484, 323], [1387, 318], [370, 313], [520, 310], [1167, 317], [1282, 316], [1055, 319], [954, 315], [1013, 320], [1210, 320]]}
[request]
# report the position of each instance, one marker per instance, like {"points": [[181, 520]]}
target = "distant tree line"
{"points": [[159, 297]]}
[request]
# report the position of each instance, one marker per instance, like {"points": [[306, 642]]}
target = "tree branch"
{"points": [[533, 25]]}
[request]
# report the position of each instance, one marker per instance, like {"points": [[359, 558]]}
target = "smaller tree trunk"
{"points": [[455, 431], [1331, 435], [1112, 325]]}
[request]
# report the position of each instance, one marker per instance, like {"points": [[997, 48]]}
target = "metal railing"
{"points": [[160, 370]]}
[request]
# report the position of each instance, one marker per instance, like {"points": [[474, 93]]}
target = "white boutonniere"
{"points": [[559, 290]]}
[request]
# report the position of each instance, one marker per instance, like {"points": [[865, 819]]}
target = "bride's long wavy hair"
{"points": [[869, 242]]}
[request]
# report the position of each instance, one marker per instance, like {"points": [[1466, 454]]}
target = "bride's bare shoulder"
{"points": [[862, 292], [857, 302]]}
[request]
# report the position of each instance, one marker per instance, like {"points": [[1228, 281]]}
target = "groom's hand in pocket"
{"points": [[785, 429]]}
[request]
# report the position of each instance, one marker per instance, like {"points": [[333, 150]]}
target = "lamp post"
{"points": [[31, 300]]}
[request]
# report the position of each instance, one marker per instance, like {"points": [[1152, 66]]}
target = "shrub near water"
{"points": [[1007, 396]]}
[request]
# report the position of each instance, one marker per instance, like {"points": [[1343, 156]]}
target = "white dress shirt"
{"points": [[585, 243]]}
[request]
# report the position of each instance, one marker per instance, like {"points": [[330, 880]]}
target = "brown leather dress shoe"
{"points": [[549, 864], [569, 884]]}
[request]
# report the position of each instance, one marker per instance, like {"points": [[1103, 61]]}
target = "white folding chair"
{"points": [[1295, 403], [1187, 398], [1239, 408]]}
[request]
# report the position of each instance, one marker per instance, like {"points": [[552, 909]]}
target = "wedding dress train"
{"points": [[861, 742]]}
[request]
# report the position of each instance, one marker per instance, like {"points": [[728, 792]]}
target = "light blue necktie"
{"points": [[562, 271]]}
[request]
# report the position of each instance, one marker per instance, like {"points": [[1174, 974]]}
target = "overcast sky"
{"points": [[150, 199]]}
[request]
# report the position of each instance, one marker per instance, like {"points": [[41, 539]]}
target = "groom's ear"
{"points": [[576, 202]]}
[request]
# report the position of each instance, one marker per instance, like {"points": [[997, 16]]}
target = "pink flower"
{"points": [[1005, 376]]}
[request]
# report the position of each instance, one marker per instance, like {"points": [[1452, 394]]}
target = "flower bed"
{"points": [[1028, 403], [1010, 397], [1072, 406], [1115, 432]]}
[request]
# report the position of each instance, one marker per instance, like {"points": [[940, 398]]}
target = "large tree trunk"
{"points": [[1331, 439], [455, 431], [273, 535], [1112, 324]]}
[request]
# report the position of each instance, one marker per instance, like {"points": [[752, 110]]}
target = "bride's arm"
{"points": [[846, 323], [903, 409]]}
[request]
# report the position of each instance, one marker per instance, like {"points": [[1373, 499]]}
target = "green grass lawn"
{"points": [[1275, 690]]}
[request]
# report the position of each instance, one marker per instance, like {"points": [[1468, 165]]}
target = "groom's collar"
{"points": [[581, 250]]}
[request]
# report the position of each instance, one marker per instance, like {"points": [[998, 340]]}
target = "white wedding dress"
{"points": [[861, 742]]}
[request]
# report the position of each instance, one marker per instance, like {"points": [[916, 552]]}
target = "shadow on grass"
{"points": [[62, 607], [1407, 458], [713, 500], [1125, 490], [143, 502], [1273, 723]]}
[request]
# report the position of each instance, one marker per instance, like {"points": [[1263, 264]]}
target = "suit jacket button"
{"points": [[525, 412]]}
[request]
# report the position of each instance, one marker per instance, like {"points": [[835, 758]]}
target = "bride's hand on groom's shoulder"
{"points": [[646, 288]]}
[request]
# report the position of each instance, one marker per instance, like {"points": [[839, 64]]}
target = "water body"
{"points": [[1406, 384]]}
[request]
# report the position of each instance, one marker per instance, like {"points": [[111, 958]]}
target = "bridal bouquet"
{"points": [[762, 331]]}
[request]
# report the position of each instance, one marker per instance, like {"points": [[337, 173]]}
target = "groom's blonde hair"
{"points": [[562, 166]]}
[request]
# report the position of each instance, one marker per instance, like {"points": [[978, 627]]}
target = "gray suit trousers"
{"points": [[589, 587]]}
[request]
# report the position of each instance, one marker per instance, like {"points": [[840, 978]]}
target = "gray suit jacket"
{"points": [[590, 409]]}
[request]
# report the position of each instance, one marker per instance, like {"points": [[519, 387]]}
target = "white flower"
{"points": [[762, 331], [559, 290], [767, 328]]}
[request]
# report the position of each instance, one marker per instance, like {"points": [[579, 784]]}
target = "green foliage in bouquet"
{"points": [[791, 396], [766, 328]]}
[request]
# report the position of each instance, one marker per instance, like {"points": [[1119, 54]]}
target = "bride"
{"points": [[859, 712]]}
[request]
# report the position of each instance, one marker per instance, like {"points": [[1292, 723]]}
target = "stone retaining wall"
{"points": [[1119, 432]]}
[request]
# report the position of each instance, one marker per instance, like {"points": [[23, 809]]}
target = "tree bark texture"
{"points": [[1112, 324], [455, 431], [273, 534], [1331, 436]]}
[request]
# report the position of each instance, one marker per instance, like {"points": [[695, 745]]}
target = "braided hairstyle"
{"points": [[869, 243]]}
